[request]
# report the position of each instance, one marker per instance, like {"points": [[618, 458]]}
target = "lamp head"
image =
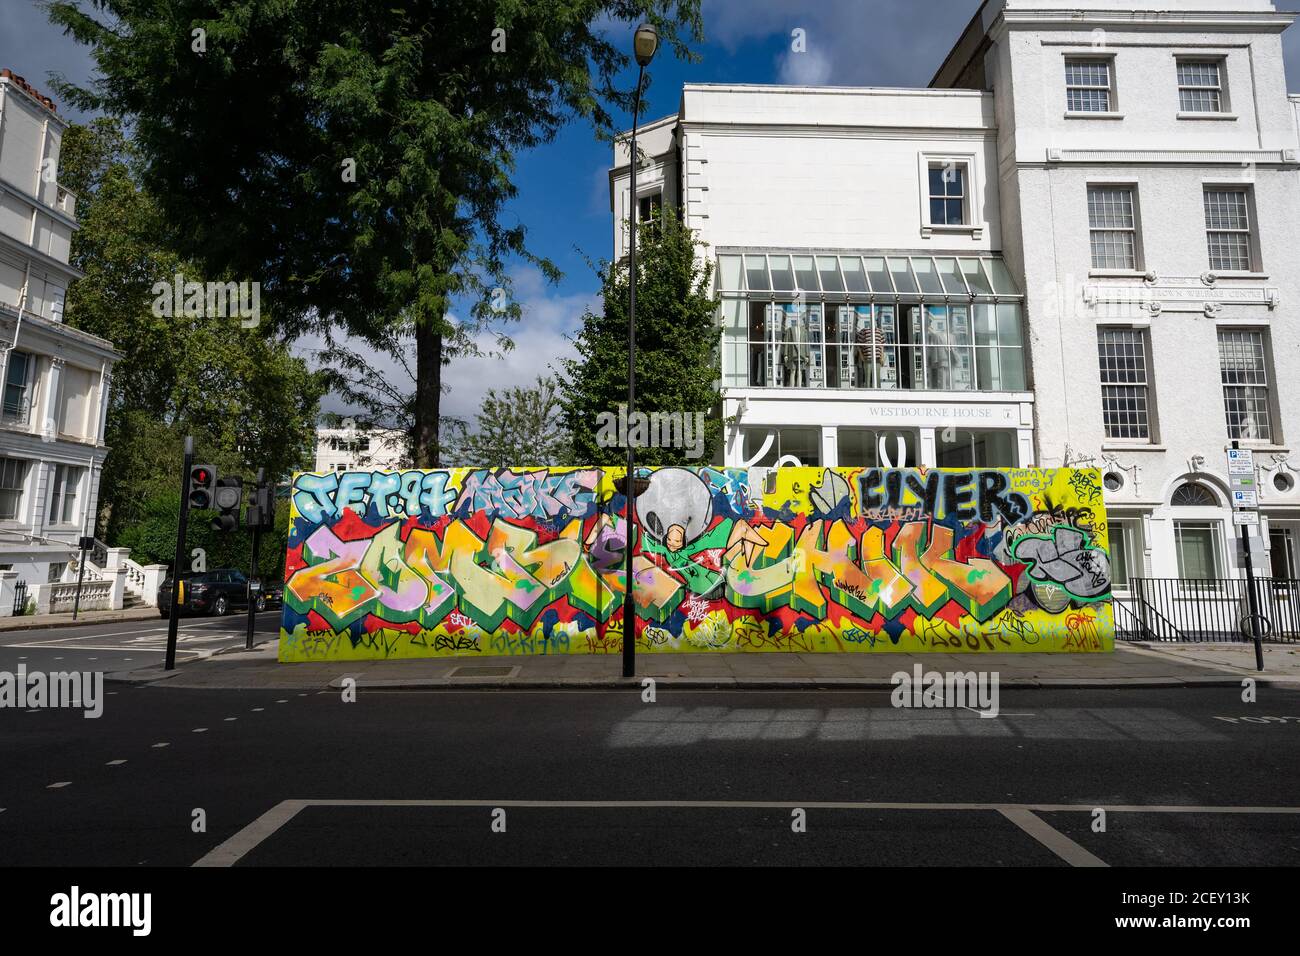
{"points": [[645, 43]]}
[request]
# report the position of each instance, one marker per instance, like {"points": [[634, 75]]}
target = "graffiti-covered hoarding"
{"points": [[403, 564]]}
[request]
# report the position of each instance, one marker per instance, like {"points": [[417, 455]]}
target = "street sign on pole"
{"points": [[1241, 471], [1241, 462]]}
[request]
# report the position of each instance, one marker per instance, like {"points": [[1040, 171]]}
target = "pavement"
{"points": [[33, 622], [1129, 665]]}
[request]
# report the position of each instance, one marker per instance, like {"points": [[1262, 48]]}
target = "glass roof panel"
{"points": [[975, 277], [952, 281], [756, 273], [1002, 283], [903, 280], [782, 274], [879, 277], [855, 280], [729, 273], [805, 274], [828, 268], [926, 275]]}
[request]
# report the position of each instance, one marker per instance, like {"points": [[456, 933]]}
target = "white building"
{"points": [[1071, 249], [55, 378], [346, 449], [1148, 168], [867, 314]]}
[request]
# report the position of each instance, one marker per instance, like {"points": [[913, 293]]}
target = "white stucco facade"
{"points": [[345, 449], [1217, 334], [55, 378], [1136, 174]]}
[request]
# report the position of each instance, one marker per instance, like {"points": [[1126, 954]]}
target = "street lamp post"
{"points": [[644, 44]]}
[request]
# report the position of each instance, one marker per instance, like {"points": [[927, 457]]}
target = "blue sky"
{"points": [[563, 194]]}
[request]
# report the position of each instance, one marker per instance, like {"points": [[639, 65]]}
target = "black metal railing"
{"points": [[1207, 609], [20, 599]]}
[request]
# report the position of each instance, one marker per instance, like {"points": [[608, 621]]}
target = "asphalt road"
{"points": [[277, 779], [126, 645]]}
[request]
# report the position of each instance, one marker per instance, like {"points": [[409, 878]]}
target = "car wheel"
{"points": [[260, 603], [220, 606]]}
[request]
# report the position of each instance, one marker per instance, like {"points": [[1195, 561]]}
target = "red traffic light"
{"points": [[200, 476]]}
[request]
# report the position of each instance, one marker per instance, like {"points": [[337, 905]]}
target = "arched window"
{"points": [[1194, 495]]}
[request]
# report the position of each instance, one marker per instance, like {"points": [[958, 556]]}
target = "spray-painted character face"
{"points": [[676, 508]]}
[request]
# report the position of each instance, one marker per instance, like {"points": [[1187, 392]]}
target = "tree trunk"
{"points": [[428, 394]]}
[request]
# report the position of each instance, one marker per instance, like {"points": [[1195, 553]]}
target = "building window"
{"points": [[1125, 551], [1200, 555], [948, 194], [1125, 387], [1193, 495], [959, 448], [55, 574], [862, 447], [1200, 86], [1088, 85], [1243, 367], [650, 210], [13, 477], [1227, 227], [805, 444], [63, 494], [18, 389], [1282, 553], [1112, 224]]}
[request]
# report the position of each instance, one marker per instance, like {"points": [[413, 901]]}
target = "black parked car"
{"points": [[210, 592]]}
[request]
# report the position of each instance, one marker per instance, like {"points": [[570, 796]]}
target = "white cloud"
{"points": [[539, 338], [812, 67]]}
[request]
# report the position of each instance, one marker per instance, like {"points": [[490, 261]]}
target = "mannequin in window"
{"points": [[868, 353], [794, 352]]}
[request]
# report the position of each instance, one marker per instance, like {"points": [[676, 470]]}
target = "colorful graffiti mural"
{"points": [[399, 564]]}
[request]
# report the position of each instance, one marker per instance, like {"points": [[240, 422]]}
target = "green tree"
{"points": [[246, 400], [677, 367], [520, 426], [357, 158]]}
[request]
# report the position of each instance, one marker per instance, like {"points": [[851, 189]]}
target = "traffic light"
{"points": [[203, 481], [227, 498], [261, 509]]}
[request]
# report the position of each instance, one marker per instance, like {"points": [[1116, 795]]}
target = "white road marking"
{"points": [[231, 718], [61, 783], [250, 837], [256, 709], [162, 744], [1053, 839], [199, 730], [115, 763], [246, 840]]}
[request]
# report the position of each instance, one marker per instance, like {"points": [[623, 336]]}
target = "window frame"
{"points": [[1253, 265], [1220, 64], [24, 467], [65, 477], [1134, 230], [927, 161], [1271, 434], [1129, 539], [1147, 385], [1112, 95], [1214, 528], [21, 418]]}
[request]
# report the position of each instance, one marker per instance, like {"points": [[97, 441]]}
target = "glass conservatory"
{"points": [[870, 321]]}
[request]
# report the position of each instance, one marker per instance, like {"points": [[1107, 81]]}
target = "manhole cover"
{"points": [[471, 670]]}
